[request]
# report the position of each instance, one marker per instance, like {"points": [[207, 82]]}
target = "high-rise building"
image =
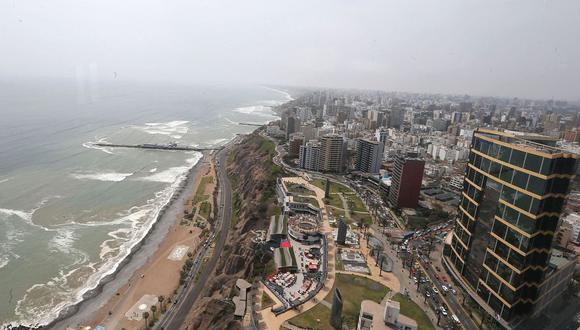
{"points": [[341, 232], [291, 124], [455, 117], [336, 310], [382, 135], [309, 156], [331, 153], [501, 251], [406, 181], [396, 118], [369, 156], [296, 141]]}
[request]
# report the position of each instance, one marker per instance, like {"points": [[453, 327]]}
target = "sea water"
{"points": [[71, 211]]}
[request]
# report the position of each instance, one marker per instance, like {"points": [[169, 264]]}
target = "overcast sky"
{"points": [[526, 48]]}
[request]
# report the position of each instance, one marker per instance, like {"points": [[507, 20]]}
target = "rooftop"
{"points": [[534, 141]]}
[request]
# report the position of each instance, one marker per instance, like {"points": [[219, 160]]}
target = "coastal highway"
{"points": [[175, 317]]}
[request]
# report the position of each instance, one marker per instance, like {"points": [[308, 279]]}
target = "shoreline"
{"points": [[93, 300], [140, 253]]}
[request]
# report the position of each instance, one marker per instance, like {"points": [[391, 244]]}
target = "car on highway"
{"points": [[443, 310], [444, 288], [428, 294], [435, 290], [453, 291]]}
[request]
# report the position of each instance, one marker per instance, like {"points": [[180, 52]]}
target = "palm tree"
{"points": [[146, 316], [160, 299], [153, 310]]}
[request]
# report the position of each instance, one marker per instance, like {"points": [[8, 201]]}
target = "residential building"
{"points": [[572, 136], [369, 156], [291, 125], [574, 221], [296, 141], [332, 153], [406, 181], [309, 156], [515, 186]]}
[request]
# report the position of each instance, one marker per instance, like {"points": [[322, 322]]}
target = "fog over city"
{"points": [[504, 48]]}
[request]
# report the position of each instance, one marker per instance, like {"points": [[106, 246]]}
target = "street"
{"points": [[176, 317]]}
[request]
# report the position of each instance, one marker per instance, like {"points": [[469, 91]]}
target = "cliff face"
{"points": [[253, 178]]}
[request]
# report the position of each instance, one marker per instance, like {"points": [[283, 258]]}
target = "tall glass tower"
{"points": [[514, 189]]}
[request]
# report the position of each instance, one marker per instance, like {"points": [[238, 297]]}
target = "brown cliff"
{"points": [[253, 178]]}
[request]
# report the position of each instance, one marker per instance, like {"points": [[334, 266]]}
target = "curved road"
{"points": [[176, 317]]}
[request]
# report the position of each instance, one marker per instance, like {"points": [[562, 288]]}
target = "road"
{"points": [[175, 318]]}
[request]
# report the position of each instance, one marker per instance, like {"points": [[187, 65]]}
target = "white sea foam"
{"points": [[257, 110], [27, 216], [153, 170], [12, 238], [109, 176], [5, 180], [171, 174], [91, 145], [174, 129], [286, 94]]}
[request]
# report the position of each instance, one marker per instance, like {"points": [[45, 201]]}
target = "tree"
{"points": [[146, 316], [160, 299]]}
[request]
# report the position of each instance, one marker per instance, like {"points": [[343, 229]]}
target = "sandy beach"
{"points": [[150, 270]]}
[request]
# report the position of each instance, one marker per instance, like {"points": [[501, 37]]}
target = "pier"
{"points": [[155, 147], [252, 124]]}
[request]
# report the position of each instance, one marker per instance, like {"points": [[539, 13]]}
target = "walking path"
{"points": [[275, 322]]}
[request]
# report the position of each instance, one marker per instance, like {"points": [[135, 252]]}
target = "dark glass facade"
{"points": [[513, 193]]}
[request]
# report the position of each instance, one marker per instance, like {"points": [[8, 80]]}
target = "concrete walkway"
{"points": [[275, 322]]}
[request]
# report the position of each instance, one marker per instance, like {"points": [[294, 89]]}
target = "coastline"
{"points": [[93, 300]]}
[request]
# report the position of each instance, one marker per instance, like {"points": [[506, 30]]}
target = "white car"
{"points": [[445, 289], [443, 310], [435, 290]]}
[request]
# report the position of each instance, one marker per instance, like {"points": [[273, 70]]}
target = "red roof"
{"points": [[285, 244]]}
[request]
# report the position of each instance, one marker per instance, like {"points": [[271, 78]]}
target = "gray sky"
{"points": [[525, 48]]}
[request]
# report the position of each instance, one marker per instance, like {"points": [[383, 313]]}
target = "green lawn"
{"points": [[315, 318], [334, 187], [364, 217], [266, 300], [412, 310], [334, 200], [200, 194], [205, 209], [355, 203], [298, 189], [337, 213], [354, 290]]}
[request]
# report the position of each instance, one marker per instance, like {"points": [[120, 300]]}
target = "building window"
{"points": [[533, 163], [518, 158], [537, 185], [506, 174], [520, 179], [505, 153], [523, 201], [493, 150]]}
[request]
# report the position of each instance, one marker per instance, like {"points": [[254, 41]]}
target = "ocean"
{"points": [[70, 211]]}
